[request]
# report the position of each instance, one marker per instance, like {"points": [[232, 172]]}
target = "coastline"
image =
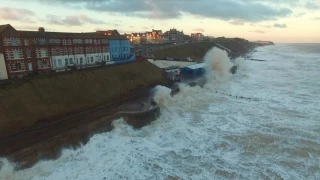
{"points": [[45, 140]]}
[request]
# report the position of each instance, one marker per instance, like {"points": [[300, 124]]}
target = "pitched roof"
{"points": [[45, 34], [3, 27], [35, 34], [121, 37]]}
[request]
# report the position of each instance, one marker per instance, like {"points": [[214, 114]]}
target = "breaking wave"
{"points": [[202, 134], [218, 65], [161, 95]]}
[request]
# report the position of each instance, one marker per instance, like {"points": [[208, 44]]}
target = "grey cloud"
{"points": [[312, 6], [259, 31], [299, 14], [280, 25], [237, 22], [31, 28], [316, 18], [199, 30], [16, 14], [248, 11], [72, 20]]}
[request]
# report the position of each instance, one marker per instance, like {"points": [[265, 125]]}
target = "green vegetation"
{"points": [[195, 51], [238, 46], [23, 103]]}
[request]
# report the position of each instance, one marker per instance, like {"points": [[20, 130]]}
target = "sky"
{"points": [[280, 21]]}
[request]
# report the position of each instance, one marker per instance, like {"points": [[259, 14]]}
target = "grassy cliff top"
{"points": [[26, 102], [197, 51]]}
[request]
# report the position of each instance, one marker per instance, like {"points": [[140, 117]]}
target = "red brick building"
{"points": [[197, 37], [34, 52]]}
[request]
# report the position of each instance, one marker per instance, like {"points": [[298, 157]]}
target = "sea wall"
{"points": [[25, 103]]}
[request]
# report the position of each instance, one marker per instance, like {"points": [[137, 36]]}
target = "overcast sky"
{"points": [[275, 20]]}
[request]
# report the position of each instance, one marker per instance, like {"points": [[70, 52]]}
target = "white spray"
{"points": [[218, 65], [240, 63], [161, 95]]}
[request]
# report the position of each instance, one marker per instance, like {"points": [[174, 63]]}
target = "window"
{"points": [[71, 61], [104, 41], [91, 59], [108, 58], [44, 53], [26, 42], [81, 60], [66, 61], [28, 53], [59, 62], [15, 42], [18, 66], [17, 54]]}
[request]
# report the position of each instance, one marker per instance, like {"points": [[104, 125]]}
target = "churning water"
{"points": [[263, 123]]}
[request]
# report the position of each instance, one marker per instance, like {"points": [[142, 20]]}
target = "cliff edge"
{"points": [[26, 102]]}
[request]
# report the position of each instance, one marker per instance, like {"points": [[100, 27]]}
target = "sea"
{"points": [[261, 123]]}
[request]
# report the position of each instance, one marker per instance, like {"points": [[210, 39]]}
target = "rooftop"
{"points": [[196, 66], [41, 33]]}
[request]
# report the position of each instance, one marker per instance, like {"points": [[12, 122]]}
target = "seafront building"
{"points": [[149, 37], [197, 37], [174, 36], [25, 53]]}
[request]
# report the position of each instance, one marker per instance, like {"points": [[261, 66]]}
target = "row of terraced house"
{"points": [[24, 53]]}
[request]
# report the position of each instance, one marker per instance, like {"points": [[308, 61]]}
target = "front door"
{"points": [[30, 66]]}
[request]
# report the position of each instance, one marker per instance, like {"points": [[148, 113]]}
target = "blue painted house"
{"points": [[120, 49]]}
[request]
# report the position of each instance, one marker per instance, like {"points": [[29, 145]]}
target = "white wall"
{"points": [[165, 64], [79, 59], [55, 65], [3, 68], [106, 56], [88, 60]]}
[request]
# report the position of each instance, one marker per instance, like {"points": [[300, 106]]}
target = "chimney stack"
{"points": [[41, 29]]}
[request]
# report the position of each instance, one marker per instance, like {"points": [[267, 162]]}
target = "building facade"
{"points": [[197, 37], [34, 52], [151, 37], [174, 36], [136, 38], [109, 32], [120, 49]]}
